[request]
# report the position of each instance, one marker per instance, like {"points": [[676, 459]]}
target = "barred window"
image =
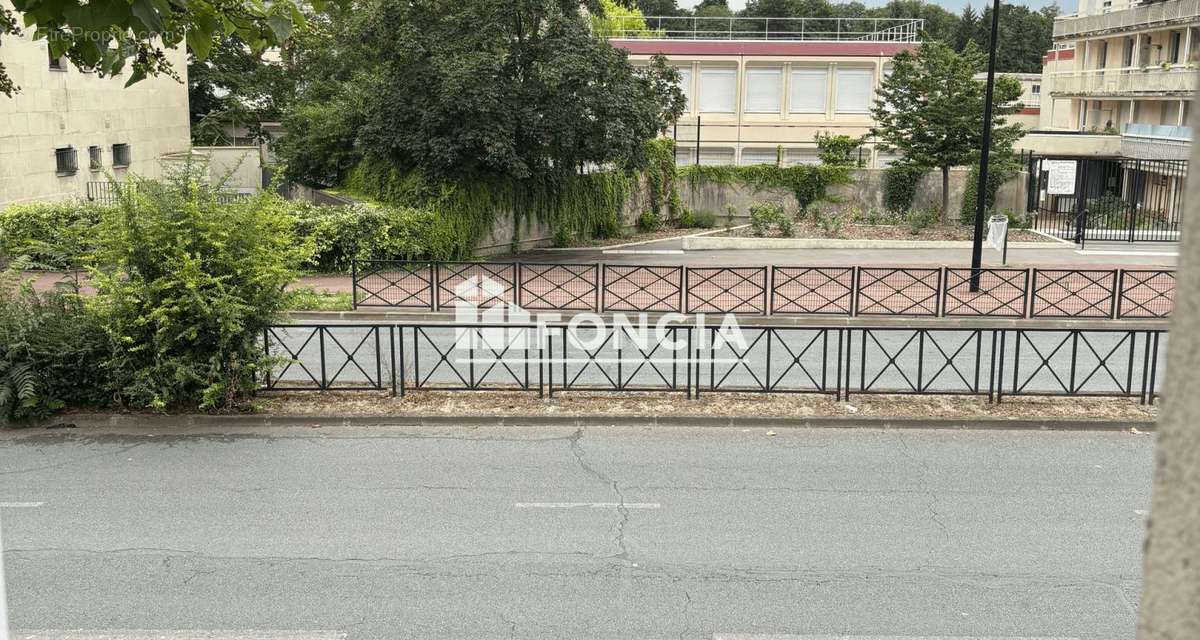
{"points": [[120, 155], [95, 161], [56, 62], [65, 161]]}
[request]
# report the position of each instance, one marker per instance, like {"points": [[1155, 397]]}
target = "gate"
{"points": [[1107, 199]]}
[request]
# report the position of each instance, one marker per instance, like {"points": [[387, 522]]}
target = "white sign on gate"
{"points": [[1061, 178]]}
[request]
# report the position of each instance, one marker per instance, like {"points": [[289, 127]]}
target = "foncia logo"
{"points": [[490, 325]]}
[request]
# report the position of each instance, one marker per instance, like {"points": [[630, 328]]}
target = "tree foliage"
{"points": [[107, 35], [234, 86], [931, 109]]}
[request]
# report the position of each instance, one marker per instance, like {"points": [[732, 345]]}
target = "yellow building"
{"points": [[759, 87]]}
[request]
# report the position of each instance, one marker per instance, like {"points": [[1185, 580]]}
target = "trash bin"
{"points": [[997, 237]]}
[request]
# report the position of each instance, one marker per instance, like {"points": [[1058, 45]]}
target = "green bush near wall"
{"points": [[900, 186], [54, 235], [1000, 170], [340, 234]]}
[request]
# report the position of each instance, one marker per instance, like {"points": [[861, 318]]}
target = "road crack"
{"points": [[576, 447]]}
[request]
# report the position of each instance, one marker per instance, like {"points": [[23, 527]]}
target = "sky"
{"points": [[954, 6]]}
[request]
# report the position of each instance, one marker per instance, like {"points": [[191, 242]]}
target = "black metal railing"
{"points": [[983, 361], [769, 291]]}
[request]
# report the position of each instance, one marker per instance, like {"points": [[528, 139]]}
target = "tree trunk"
{"points": [[945, 195]]}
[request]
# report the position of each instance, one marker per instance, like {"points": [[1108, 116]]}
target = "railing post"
{"points": [[601, 286], [354, 283], [435, 286]]}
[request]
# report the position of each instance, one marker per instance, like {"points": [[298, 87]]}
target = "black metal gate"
{"points": [[1113, 199]]}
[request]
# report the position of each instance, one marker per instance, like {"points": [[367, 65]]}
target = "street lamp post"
{"points": [[985, 150]]}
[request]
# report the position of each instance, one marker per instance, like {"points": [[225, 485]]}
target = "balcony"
{"points": [[763, 29], [1156, 142], [1148, 15], [1126, 82]]}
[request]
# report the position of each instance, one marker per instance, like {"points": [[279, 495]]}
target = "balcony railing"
{"points": [[1126, 81], [778, 29], [1146, 15]]}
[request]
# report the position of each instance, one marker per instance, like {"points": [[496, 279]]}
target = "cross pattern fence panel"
{"points": [[619, 358], [1146, 294], [769, 360], [1061, 293], [817, 290], [329, 357], [1001, 293], [839, 361], [898, 291], [639, 288], [920, 361], [391, 283], [483, 284], [727, 290], [493, 357], [559, 286], [1077, 362]]}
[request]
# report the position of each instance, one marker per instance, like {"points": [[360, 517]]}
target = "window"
{"points": [[1127, 58], [855, 88], [762, 90], [1102, 56], [808, 91], [885, 159], [758, 156], [716, 157], [809, 156], [685, 84], [718, 90], [120, 155], [56, 62], [1173, 50], [65, 162], [1035, 90], [684, 156], [95, 162]]}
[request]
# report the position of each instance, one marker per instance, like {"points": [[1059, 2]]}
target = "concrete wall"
{"points": [[237, 168], [72, 108], [865, 193]]}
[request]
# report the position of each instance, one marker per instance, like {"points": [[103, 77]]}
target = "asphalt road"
{"points": [[614, 533]]}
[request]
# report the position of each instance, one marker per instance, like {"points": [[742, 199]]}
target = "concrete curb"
{"points": [[607, 248], [693, 243], [129, 421]]}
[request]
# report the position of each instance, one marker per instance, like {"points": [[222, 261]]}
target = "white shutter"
{"points": [[808, 156], [685, 83], [758, 156], [885, 159], [809, 89], [684, 156], [718, 90], [762, 90], [855, 89], [716, 157]]}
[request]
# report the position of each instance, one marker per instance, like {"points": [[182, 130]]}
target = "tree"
{"points": [[519, 89], [930, 109], [1025, 36], [106, 35], [234, 86]]}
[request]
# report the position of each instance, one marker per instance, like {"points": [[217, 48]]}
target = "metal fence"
{"points": [[769, 290], [694, 360], [109, 192], [1113, 199]]}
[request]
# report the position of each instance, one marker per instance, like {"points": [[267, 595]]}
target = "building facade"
{"points": [[67, 128], [1133, 73], [758, 95]]}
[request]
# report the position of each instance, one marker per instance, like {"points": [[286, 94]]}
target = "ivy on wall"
{"points": [[575, 206], [661, 178], [808, 183]]}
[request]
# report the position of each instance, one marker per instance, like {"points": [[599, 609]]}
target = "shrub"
{"points": [[838, 150], [52, 353], [703, 219], [830, 222], [185, 286], [649, 221], [55, 235], [764, 215], [920, 219], [900, 186], [1000, 170], [687, 219], [340, 234], [730, 214], [563, 237]]}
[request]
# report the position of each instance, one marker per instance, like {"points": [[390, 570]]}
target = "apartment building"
{"points": [[1133, 73], [1029, 115], [67, 128], [757, 88]]}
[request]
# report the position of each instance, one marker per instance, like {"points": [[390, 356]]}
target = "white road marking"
{"points": [[20, 505], [178, 634], [586, 505], [670, 252]]}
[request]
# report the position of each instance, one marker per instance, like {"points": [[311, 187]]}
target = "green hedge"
{"points": [[340, 234], [808, 183], [55, 235]]}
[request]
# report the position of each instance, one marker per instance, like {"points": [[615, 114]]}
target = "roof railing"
{"points": [[773, 29]]}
